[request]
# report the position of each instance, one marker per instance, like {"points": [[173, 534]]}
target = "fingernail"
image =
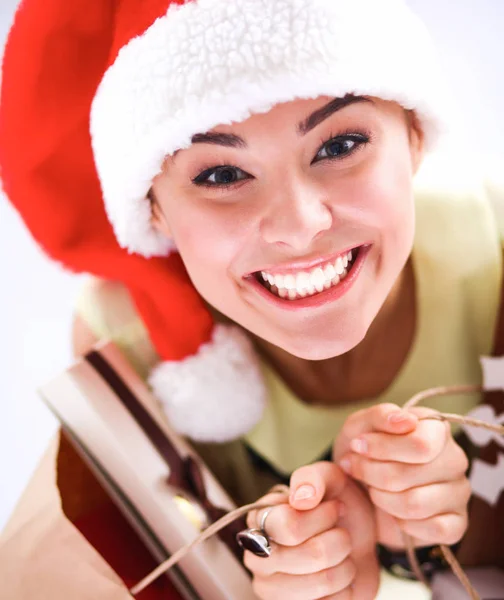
{"points": [[345, 464], [398, 417], [304, 492], [359, 446]]}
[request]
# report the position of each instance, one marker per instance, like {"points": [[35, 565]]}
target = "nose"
{"points": [[296, 214]]}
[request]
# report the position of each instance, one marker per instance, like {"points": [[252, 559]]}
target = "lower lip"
{"points": [[330, 295]]}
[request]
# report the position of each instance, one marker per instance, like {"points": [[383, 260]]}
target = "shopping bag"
{"points": [[66, 539], [117, 493]]}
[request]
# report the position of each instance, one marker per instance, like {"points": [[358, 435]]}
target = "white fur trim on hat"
{"points": [[211, 62], [218, 394]]}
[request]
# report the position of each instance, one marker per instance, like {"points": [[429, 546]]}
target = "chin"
{"points": [[311, 347]]}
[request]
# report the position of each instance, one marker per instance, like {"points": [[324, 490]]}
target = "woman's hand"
{"points": [[323, 544], [414, 472]]}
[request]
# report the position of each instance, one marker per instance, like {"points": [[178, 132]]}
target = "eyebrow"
{"points": [[231, 140]]}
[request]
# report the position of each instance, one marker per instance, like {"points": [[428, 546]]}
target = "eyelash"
{"points": [[361, 137]]}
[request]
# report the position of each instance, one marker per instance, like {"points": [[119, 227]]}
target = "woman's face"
{"points": [[290, 193]]}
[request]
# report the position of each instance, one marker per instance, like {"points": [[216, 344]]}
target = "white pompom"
{"points": [[216, 395]]}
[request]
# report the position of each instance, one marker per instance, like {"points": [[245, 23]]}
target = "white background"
{"points": [[36, 296]]}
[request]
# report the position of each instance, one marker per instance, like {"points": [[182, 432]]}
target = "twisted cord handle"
{"points": [[283, 498], [447, 553], [208, 533]]}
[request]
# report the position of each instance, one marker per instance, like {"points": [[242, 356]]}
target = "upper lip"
{"points": [[303, 265]]}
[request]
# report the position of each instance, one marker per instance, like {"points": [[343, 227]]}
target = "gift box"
{"points": [[117, 493]]}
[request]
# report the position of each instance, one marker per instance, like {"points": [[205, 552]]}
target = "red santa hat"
{"points": [[96, 93]]}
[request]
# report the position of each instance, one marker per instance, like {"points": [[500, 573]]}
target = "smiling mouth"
{"points": [[311, 282]]}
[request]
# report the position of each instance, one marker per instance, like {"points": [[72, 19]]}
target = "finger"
{"points": [[449, 465], [358, 518], [290, 527], [346, 594], [312, 483], [421, 446], [254, 516], [321, 552], [387, 418], [447, 529], [281, 586], [424, 502]]}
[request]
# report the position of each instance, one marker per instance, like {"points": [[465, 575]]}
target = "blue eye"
{"points": [[341, 146], [225, 176], [222, 176]]}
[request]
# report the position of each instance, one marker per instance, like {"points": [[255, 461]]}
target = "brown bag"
{"points": [[116, 488], [66, 540]]}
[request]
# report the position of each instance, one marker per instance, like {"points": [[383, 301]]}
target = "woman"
{"points": [[274, 145]]}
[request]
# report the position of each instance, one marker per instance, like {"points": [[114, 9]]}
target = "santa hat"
{"points": [[96, 93]]}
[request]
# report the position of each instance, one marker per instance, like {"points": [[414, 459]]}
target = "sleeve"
{"points": [[108, 310]]}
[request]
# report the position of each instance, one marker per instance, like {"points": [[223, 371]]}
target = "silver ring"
{"points": [[256, 541], [264, 516]]}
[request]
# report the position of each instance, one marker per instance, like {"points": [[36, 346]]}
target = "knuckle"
{"points": [[463, 524], [442, 530], [344, 542], [448, 532], [462, 458], [423, 447], [337, 578], [350, 571], [291, 527], [319, 552], [392, 480], [383, 410], [413, 505], [328, 580], [467, 492]]}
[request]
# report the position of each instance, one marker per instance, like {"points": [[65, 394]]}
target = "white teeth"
{"points": [[289, 282], [329, 272], [317, 278], [307, 283], [302, 281]]}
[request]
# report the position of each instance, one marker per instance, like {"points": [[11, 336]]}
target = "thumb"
{"points": [[311, 484]]}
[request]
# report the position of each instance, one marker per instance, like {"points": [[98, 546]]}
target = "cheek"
{"points": [[208, 240], [383, 198]]}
